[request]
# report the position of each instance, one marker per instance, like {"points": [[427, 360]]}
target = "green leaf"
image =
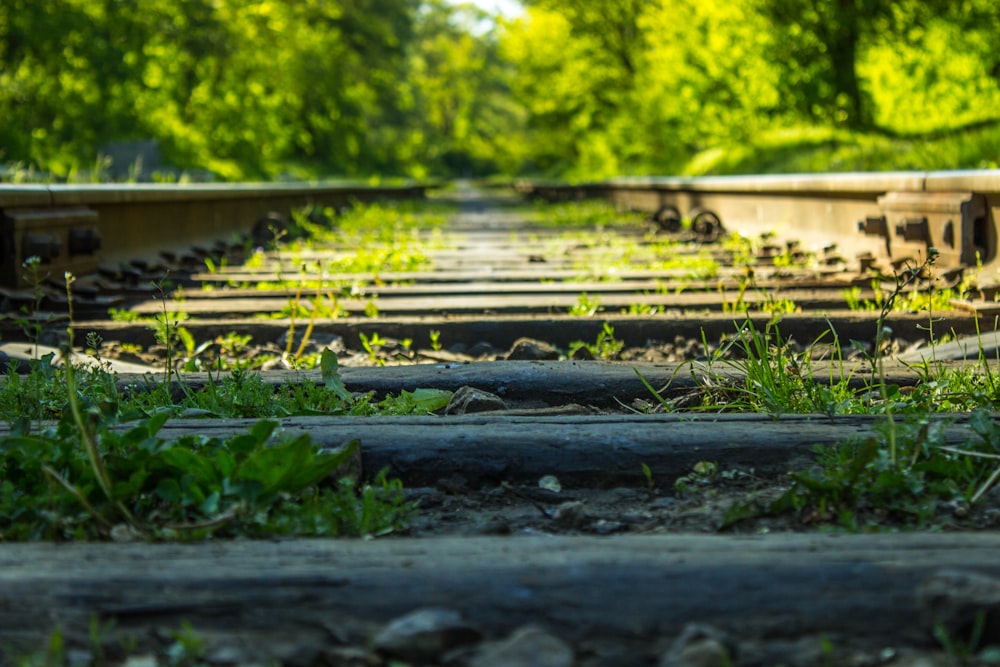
{"points": [[224, 463], [329, 369], [186, 462], [431, 399], [263, 429], [169, 490], [293, 466]]}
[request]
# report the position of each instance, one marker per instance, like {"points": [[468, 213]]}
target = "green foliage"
{"points": [[583, 89], [44, 394], [711, 86], [254, 484], [585, 306], [606, 346], [857, 483], [779, 380]]}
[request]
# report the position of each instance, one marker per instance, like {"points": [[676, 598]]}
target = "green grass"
{"points": [[143, 486], [84, 459], [807, 149], [899, 475], [902, 473], [44, 394]]}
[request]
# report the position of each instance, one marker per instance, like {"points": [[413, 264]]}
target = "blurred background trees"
{"points": [[245, 89]]}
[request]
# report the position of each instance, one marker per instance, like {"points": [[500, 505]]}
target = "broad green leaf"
{"points": [[329, 369], [292, 466], [263, 429], [169, 490], [183, 461], [431, 399]]}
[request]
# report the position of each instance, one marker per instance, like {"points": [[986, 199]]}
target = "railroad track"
{"points": [[563, 512]]}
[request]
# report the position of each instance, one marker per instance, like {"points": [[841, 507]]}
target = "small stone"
{"points": [[122, 532], [582, 354], [346, 656], [425, 634], [78, 657], [528, 646], [481, 350], [606, 527], [140, 661], [469, 399], [454, 484], [572, 514], [550, 483], [492, 527], [226, 654], [699, 646], [529, 349], [698, 653]]}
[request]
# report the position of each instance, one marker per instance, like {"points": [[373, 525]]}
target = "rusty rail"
{"points": [[80, 228], [875, 216]]}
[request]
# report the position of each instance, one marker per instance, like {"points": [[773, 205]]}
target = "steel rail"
{"points": [[879, 216], [79, 228]]}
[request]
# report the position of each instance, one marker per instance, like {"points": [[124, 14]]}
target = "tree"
{"points": [[818, 54]]}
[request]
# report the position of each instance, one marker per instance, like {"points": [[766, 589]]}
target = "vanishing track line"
{"points": [[546, 498]]}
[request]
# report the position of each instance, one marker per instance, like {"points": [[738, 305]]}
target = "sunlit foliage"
{"points": [[239, 89]]}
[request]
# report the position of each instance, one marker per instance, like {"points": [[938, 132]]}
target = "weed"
{"points": [[702, 474], [293, 309], [86, 478], [641, 309], [882, 335], [435, 337], [739, 305], [648, 474], [852, 297], [585, 306], [233, 344], [778, 380], [29, 323], [767, 302], [122, 315], [989, 433], [605, 347], [857, 484], [187, 648], [373, 346]]}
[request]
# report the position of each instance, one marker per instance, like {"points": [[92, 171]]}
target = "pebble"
{"points": [[140, 661], [453, 484], [425, 634], [469, 399], [550, 483], [528, 646], [572, 514], [699, 645], [606, 527], [529, 349], [481, 350], [663, 502]]}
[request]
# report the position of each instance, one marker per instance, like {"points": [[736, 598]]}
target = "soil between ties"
{"points": [[561, 495]]}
